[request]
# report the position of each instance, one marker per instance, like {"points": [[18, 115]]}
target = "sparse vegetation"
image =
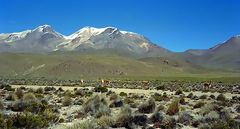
{"points": [[173, 108], [147, 107], [116, 108]]}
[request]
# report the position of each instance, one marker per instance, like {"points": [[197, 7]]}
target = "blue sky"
{"points": [[174, 24]]}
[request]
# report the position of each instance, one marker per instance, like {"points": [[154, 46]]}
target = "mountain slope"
{"points": [[41, 39], [45, 39], [73, 65], [222, 56]]}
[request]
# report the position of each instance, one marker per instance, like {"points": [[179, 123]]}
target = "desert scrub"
{"points": [[5, 123], [105, 122], [79, 92], [124, 118], [67, 101], [1, 104], [173, 108], [28, 97], [208, 108], [123, 94], [179, 91], [203, 97], [199, 104], [31, 121], [19, 93], [97, 106], [147, 107], [8, 87], [101, 89], [86, 124], [185, 118], [221, 97], [190, 95], [11, 97], [39, 90], [160, 87]]}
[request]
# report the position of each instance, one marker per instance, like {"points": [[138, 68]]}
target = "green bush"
{"points": [[190, 95], [101, 89], [147, 107], [105, 122], [39, 90], [160, 88], [221, 97], [19, 93], [179, 91], [173, 108], [199, 104], [67, 101], [123, 94], [97, 106], [29, 97], [124, 118], [1, 104], [8, 87], [203, 97]]}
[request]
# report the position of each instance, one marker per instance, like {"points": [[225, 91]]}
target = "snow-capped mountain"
{"points": [[45, 39], [41, 39], [109, 38]]}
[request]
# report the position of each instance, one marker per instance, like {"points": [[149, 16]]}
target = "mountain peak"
{"points": [[44, 28]]}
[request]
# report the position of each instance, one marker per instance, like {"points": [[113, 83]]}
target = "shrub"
{"points": [[199, 104], [208, 108], [116, 103], [67, 101], [1, 105], [182, 100], [140, 119], [203, 97], [113, 96], [160, 87], [96, 106], [105, 122], [31, 121], [190, 95], [212, 96], [185, 118], [237, 108], [123, 94], [221, 97], [101, 89], [29, 97], [160, 108], [8, 87], [47, 88], [39, 90], [18, 106], [19, 93], [211, 116], [167, 123], [147, 107], [173, 107], [124, 118], [157, 117], [179, 91], [11, 97], [79, 92], [87, 124]]}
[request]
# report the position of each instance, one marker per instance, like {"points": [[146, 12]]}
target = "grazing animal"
{"points": [[207, 85], [105, 82], [82, 81]]}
